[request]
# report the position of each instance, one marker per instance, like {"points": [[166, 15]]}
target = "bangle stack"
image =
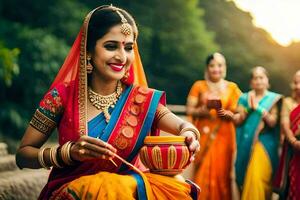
{"points": [[53, 157], [65, 153], [192, 129], [59, 156]]}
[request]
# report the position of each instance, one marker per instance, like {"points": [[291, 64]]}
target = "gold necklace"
{"points": [[102, 102], [219, 87]]}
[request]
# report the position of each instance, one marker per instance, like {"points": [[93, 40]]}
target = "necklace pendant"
{"points": [[106, 115], [103, 103]]}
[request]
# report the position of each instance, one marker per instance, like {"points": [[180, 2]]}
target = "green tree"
{"points": [[40, 58], [8, 64]]}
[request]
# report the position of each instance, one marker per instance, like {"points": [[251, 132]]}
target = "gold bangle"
{"points": [[192, 129], [65, 153], [41, 158], [68, 153], [53, 154]]}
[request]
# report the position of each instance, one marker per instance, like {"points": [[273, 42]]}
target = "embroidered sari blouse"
{"points": [[50, 110]]}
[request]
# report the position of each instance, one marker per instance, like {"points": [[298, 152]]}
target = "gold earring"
{"points": [[127, 73], [89, 66]]}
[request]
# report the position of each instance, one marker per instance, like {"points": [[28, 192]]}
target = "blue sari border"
{"points": [[141, 189]]}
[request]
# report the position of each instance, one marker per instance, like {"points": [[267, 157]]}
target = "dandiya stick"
{"points": [[127, 163], [147, 187]]}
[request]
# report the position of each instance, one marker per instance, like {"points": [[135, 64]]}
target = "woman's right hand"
{"points": [[87, 148], [294, 141], [296, 145]]}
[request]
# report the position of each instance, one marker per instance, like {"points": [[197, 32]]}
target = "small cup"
{"points": [[214, 104]]}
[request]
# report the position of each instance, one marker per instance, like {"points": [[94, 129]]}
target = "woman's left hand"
{"points": [[192, 142], [225, 114]]}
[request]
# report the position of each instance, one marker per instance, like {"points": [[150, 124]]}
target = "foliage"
{"points": [[8, 64], [246, 46]]}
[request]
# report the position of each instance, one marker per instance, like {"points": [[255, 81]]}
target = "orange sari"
{"points": [[214, 162]]}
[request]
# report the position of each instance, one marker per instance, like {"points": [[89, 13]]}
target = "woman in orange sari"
{"points": [[103, 111], [213, 164]]}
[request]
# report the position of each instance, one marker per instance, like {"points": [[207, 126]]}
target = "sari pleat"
{"points": [[259, 174]]}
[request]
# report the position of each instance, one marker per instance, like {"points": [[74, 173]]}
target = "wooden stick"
{"points": [[128, 164]]}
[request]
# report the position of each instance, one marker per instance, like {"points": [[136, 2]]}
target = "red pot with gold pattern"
{"points": [[166, 155]]}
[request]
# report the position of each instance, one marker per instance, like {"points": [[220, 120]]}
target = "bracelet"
{"points": [[53, 158], [41, 158], [58, 157], [293, 141], [65, 153], [192, 129], [260, 110]]}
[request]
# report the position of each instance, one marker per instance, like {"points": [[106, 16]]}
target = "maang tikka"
{"points": [[126, 28]]}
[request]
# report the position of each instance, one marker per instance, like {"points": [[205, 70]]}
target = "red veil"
{"points": [[72, 76]]}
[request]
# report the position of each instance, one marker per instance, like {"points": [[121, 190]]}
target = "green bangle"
{"points": [[260, 110]]}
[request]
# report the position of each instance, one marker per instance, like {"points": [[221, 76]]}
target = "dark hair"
{"points": [[210, 57], [102, 20]]}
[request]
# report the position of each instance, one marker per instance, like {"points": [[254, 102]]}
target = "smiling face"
{"points": [[113, 54], [260, 80], [216, 68]]}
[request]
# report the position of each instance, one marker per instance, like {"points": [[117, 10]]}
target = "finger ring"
{"points": [[82, 143], [81, 151]]}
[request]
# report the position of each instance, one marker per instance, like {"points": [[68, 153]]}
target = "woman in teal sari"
{"points": [[258, 135]]}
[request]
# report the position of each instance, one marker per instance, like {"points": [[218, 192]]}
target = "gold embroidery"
{"points": [[127, 131], [184, 157], [156, 157], [121, 143], [143, 90], [82, 94], [42, 123], [145, 158], [172, 157]]}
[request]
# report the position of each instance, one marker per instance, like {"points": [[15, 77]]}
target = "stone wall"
{"points": [[16, 184]]}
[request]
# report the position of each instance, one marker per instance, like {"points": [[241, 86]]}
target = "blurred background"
{"points": [[175, 38]]}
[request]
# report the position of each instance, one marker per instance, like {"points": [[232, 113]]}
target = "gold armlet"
{"points": [[161, 112], [42, 123]]}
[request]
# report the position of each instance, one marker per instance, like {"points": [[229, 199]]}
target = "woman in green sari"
{"points": [[257, 138]]}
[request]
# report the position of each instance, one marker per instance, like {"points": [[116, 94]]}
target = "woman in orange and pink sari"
{"points": [[211, 105], [287, 180], [103, 110]]}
